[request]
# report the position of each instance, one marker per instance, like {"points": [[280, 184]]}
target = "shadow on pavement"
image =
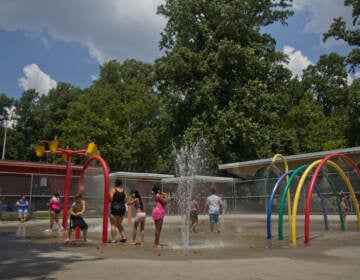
{"points": [[22, 258]]}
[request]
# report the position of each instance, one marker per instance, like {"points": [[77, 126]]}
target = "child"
{"points": [[135, 199], [194, 212], [158, 212], [344, 207], [76, 211], [55, 208]]}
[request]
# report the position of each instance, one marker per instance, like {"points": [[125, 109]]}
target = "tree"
{"points": [[221, 78], [120, 113], [27, 127], [353, 114], [313, 129], [327, 82], [53, 108], [340, 31]]}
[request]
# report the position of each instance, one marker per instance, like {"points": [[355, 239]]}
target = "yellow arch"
{"points": [[300, 185], [287, 178]]}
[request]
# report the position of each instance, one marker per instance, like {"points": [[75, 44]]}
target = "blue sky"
{"points": [[44, 42]]}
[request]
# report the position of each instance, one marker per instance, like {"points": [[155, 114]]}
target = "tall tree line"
{"points": [[220, 79]]}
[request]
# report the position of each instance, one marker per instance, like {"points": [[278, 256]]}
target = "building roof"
{"points": [[247, 169], [25, 167], [140, 176], [198, 178]]}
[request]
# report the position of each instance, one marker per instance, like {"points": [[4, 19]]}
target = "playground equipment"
{"points": [[305, 170], [105, 171], [286, 192], [297, 172], [346, 180]]}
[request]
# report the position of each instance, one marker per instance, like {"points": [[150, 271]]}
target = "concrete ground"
{"points": [[241, 251]]}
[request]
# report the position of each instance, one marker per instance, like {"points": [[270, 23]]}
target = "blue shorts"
{"points": [[214, 218]]}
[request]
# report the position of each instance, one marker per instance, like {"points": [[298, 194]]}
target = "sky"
{"points": [[44, 42]]}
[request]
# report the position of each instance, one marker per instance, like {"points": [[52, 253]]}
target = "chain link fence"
{"points": [[240, 196]]}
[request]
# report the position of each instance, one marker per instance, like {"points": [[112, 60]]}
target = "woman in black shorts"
{"points": [[118, 199]]}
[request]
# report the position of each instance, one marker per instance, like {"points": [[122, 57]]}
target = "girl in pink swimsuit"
{"points": [[158, 213], [55, 208]]}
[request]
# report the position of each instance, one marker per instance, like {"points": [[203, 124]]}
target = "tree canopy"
{"points": [[220, 79]]}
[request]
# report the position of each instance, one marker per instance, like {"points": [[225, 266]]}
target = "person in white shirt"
{"points": [[214, 207]]}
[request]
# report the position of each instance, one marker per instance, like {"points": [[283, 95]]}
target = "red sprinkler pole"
{"points": [[69, 153], [67, 187]]}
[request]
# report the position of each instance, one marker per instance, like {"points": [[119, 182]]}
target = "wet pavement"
{"points": [[241, 251]]}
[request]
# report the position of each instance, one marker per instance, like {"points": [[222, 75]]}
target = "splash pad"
{"points": [[304, 171]]}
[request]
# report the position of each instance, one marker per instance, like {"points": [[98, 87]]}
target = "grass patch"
{"points": [[42, 215]]}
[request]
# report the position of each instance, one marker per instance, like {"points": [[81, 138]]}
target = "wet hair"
{"points": [[57, 194], [156, 188], [138, 196], [78, 197], [118, 182], [212, 191]]}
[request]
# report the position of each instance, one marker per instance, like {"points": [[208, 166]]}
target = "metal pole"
{"points": [[31, 189], [3, 151], [67, 188]]}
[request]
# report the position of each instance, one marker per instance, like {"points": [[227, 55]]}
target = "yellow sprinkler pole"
{"points": [[286, 179]]}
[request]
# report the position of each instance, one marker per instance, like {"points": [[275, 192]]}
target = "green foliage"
{"points": [[220, 80], [340, 31], [313, 128], [353, 114], [119, 113], [222, 77], [327, 82]]}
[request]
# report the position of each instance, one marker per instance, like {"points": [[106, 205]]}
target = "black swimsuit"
{"points": [[118, 207]]}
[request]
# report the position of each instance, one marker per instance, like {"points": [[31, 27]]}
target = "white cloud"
{"points": [[36, 79], [110, 29], [321, 14], [297, 61]]}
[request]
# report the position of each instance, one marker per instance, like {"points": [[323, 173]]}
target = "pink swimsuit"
{"points": [[55, 204], [158, 212]]}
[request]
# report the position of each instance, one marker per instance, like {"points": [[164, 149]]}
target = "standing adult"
{"points": [[214, 207], [55, 209], [22, 207], [118, 199], [158, 213], [77, 210], [135, 199]]}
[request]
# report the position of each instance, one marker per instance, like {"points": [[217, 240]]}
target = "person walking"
{"points": [[77, 209], [118, 199], [140, 216], [158, 213], [55, 209], [214, 206], [22, 207]]}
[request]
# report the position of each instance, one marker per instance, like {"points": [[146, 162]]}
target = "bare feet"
{"points": [[158, 246]]}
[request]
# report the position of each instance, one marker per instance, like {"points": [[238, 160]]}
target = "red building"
{"points": [[36, 180]]}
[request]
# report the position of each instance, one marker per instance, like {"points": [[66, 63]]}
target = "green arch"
{"points": [[287, 186]]}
